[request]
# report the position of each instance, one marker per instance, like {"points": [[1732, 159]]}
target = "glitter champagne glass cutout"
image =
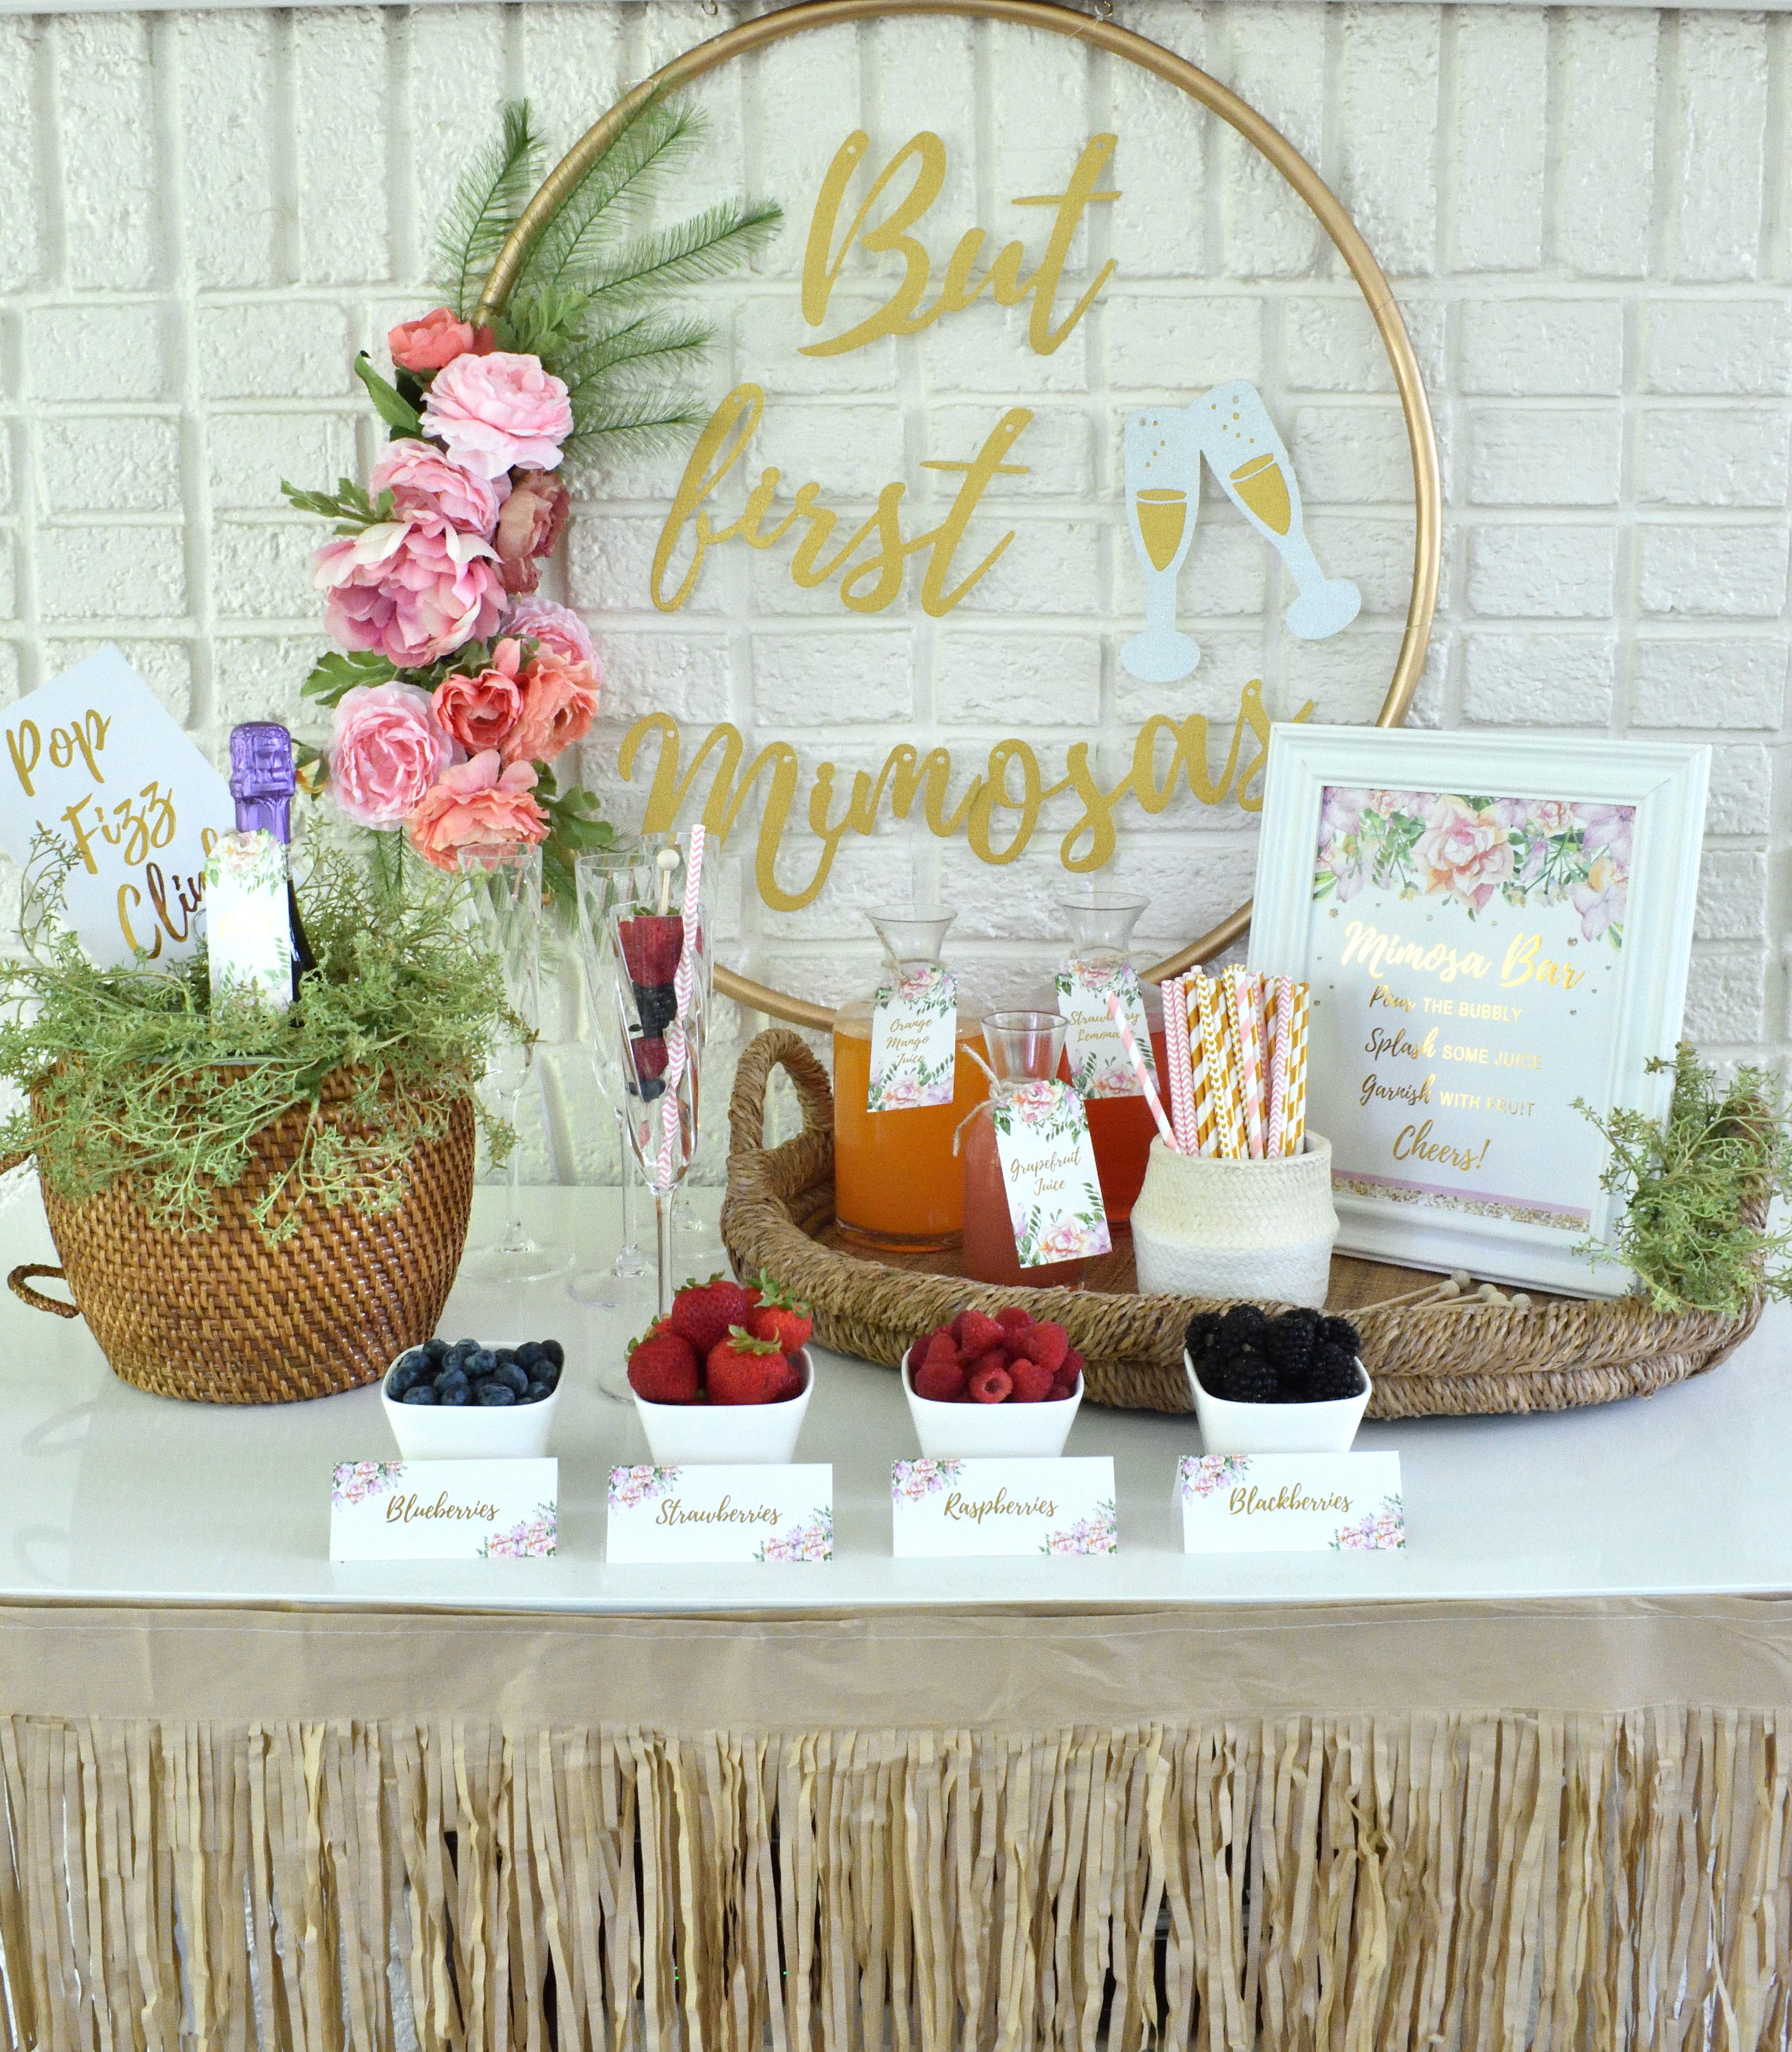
{"points": [[1163, 496], [1235, 434]]}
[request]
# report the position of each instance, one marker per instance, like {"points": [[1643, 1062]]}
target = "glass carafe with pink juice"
{"points": [[1100, 925], [1023, 1047], [898, 1184]]}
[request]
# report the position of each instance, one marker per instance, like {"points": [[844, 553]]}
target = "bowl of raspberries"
{"points": [[473, 1400], [726, 1375], [1289, 1384], [993, 1384]]}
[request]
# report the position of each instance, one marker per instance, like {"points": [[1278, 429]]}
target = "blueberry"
{"points": [[483, 1362], [461, 1353], [513, 1377], [456, 1394], [495, 1395], [415, 1358], [422, 1394], [547, 1374], [436, 1348], [450, 1378], [552, 1350], [528, 1355], [506, 1356], [401, 1379], [537, 1392]]}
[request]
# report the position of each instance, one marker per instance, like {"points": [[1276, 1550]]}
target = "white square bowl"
{"points": [[710, 1434], [992, 1431], [1277, 1428], [473, 1431]]}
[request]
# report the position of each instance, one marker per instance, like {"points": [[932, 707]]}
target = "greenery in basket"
{"points": [[1693, 1180], [129, 1071]]}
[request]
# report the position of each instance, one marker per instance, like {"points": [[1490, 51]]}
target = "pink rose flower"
{"points": [[426, 345], [1464, 851], [386, 748], [555, 626], [499, 413], [528, 528], [477, 804], [559, 703], [414, 588], [1548, 816], [421, 479], [480, 712]]}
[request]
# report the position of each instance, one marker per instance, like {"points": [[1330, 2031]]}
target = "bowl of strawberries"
{"points": [[993, 1384], [726, 1375]]}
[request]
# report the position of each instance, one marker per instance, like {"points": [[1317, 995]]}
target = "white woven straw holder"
{"points": [[1204, 1227]]}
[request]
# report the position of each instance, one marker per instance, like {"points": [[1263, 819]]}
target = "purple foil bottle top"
{"points": [[262, 778]]}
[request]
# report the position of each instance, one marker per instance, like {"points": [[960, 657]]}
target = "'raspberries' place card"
{"points": [[996, 1506], [1291, 1503], [773, 1514], [444, 1510]]}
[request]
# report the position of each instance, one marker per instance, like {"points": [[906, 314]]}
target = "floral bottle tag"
{"points": [[1048, 1170], [248, 931], [914, 1041], [1098, 1063]]}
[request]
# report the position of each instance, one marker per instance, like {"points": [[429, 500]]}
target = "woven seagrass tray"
{"points": [[1426, 1360]]}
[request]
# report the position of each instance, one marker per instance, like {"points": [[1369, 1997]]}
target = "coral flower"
{"points": [[478, 804], [559, 703]]}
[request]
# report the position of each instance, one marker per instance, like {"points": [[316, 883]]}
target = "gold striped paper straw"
{"points": [[1294, 1126], [1222, 1074], [1283, 1016], [1247, 1022], [1201, 1070]]}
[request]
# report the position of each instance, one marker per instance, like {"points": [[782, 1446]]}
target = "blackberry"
{"points": [[1335, 1375], [657, 1003], [1253, 1379], [1341, 1333], [1239, 1323], [1289, 1341], [1215, 1375], [1199, 1338]]}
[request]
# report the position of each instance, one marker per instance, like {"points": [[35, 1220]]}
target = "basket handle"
{"points": [[778, 1049], [19, 1282]]}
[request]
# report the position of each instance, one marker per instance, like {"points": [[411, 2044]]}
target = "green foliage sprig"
{"points": [[1699, 1183], [130, 1073], [348, 505]]}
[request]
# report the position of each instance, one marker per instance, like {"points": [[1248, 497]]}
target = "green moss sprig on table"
{"points": [[129, 1072], [1699, 1183]]}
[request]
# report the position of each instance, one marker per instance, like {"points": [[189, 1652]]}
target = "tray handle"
{"points": [[778, 1049], [19, 1282]]}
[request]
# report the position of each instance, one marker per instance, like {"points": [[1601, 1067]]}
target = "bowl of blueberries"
{"points": [[473, 1400], [1290, 1384]]}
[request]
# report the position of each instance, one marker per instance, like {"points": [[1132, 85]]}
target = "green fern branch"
{"points": [[620, 425], [486, 205], [708, 245], [645, 343]]}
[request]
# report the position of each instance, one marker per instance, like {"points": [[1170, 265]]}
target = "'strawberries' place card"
{"points": [[773, 1513], [914, 1041], [97, 779], [1063, 1507], [444, 1510], [1291, 1503]]}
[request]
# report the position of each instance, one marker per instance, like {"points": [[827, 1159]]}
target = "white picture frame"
{"points": [[1388, 930]]}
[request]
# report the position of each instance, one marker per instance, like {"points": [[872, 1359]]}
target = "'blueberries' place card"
{"points": [[444, 1510], [1291, 1503], [773, 1513], [1063, 1506]]}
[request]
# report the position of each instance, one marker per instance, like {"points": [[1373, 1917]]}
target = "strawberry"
{"points": [[940, 1382], [780, 1316], [989, 1385], [1032, 1384], [1015, 1322], [1049, 1345], [703, 1312], [651, 945], [977, 1333], [742, 1369], [663, 1368], [649, 1057]]}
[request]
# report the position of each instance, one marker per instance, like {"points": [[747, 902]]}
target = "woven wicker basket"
{"points": [[1426, 1360], [220, 1317]]}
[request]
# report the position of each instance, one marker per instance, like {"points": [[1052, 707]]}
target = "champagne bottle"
{"points": [[262, 781]]}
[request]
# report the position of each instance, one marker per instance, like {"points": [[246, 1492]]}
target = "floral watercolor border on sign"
{"points": [[813, 1541], [534, 1538], [913, 1480], [1097, 1533], [630, 1487], [1382, 1531], [357, 1482], [1200, 1474]]}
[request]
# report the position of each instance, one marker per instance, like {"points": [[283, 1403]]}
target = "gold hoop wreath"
{"points": [[1103, 35]]}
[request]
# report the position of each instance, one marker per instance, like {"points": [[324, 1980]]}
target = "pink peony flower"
{"points": [[477, 804], [559, 703], [421, 479], [480, 712], [386, 748], [555, 626], [528, 528], [499, 413], [1464, 851], [414, 588], [426, 345]]}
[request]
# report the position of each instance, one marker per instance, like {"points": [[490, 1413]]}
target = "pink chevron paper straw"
{"points": [[1278, 1064], [1139, 1069], [677, 1038], [1247, 1023], [1176, 1048]]}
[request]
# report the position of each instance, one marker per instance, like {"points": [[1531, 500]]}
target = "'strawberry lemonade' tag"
{"points": [[1098, 1063], [776, 1514], [1048, 1170], [1291, 1503], [1063, 1507], [444, 1510], [914, 1041]]}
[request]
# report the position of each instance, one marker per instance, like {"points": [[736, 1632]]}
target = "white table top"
{"points": [[115, 1496]]}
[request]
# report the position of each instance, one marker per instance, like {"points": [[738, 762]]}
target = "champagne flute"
{"points": [[1163, 498], [1234, 431], [503, 886]]}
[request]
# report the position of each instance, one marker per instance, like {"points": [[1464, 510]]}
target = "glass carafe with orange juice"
{"points": [[1101, 926], [1023, 1048], [898, 1184]]}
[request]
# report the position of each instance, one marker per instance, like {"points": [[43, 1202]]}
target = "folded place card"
{"points": [[996, 1506], [1291, 1503], [773, 1513], [443, 1510]]}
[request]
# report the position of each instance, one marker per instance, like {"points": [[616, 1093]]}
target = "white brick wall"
{"points": [[1587, 212]]}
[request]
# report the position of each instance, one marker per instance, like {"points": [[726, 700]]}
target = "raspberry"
{"points": [[1032, 1384], [1071, 1365], [940, 1382], [1049, 1345], [1063, 1388], [1015, 1322], [940, 1350], [977, 1333], [989, 1385], [995, 1357]]}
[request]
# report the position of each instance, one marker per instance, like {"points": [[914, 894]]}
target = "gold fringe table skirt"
{"points": [[1350, 1826]]}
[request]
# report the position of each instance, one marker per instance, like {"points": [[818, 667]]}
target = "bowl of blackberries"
{"points": [[473, 1400], [1288, 1385]]}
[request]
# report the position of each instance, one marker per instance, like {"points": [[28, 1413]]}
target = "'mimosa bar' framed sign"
{"points": [[1497, 929]]}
